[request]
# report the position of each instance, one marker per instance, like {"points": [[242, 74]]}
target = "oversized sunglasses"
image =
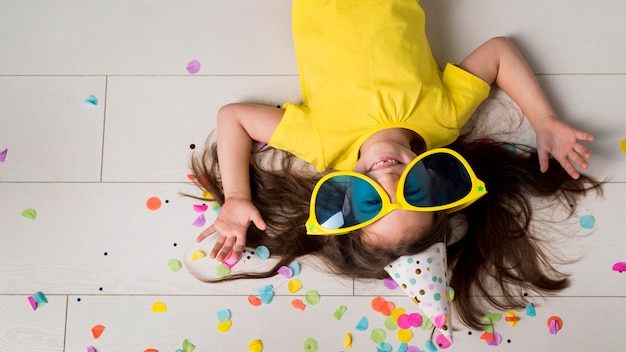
{"points": [[439, 179]]}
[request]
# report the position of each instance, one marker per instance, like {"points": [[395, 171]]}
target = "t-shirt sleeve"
{"points": [[465, 91], [296, 134]]}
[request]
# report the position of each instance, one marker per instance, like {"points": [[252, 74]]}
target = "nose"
{"points": [[389, 183]]}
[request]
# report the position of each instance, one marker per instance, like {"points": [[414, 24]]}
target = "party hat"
{"points": [[423, 277]]}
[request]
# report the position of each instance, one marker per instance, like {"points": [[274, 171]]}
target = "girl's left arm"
{"points": [[498, 61]]}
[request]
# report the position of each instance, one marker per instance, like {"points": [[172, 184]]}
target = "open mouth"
{"points": [[384, 163]]}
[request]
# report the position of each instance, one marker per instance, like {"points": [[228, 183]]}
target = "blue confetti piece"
{"points": [[295, 268], [223, 315], [431, 346], [262, 252], [266, 294], [383, 347], [530, 310], [92, 100], [363, 324], [40, 297], [403, 347], [587, 222]]}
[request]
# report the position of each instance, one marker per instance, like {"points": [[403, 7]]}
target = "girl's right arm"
{"points": [[237, 126]]}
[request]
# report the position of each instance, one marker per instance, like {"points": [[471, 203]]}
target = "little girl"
{"points": [[374, 100]]}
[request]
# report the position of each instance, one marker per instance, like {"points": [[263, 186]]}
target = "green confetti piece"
{"points": [[378, 335], [221, 271], [312, 297], [30, 213], [174, 265], [338, 314], [426, 323], [391, 324], [188, 346], [310, 345]]}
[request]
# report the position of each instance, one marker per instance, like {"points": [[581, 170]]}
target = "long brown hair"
{"points": [[498, 256]]}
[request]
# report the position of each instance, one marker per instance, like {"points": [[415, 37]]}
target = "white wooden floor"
{"points": [[100, 256]]}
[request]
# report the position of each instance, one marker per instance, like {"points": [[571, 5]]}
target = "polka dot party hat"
{"points": [[423, 277]]}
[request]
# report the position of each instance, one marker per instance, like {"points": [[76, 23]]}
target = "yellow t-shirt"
{"points": [[365, 65]]}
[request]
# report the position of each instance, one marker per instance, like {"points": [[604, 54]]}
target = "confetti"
{"points": [[230, 260], [262, 252], [200, 221], [188, 346], [200, 208], [363, 324], [587, 222], [255, 346], [40, 297], [153, 203], [347, 340], [295, 268], [294, 285], [405, 335], [91, 100], [298, 304], [221, 271], [312, 297], [193, 67], [310, 345], [223, 315], [30, 214], [530, 310], [555, 324], [443, 342], [619, 266], [3, 155], [339, 312], [285, 271], [488, 337], [622, 145], [431, 346], [97, 330], [511, 318], [224, 326], [159, 307], [266, 294], [174, 265], [91, 349], [32, 302], [497, 339], [383, 347], [197, 255], [378, 335], [390, 283], [391, 324], [153, 350], [254, 300]]}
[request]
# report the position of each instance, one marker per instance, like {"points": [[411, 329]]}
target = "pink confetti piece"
{"points": [[285, 271], [440, 321], [619, 266], [390, 283], [230, 261], [200, 221], [32, 302], [200, 208], [91, 349], [193, 67], [3, 155], [443, 342]]}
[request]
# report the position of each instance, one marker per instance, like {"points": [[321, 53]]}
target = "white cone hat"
{"points": [[423, 277]]}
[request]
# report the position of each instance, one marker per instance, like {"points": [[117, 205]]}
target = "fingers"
{"points": [[206, 233], [544, 160], [584, 136], [258, 221]]}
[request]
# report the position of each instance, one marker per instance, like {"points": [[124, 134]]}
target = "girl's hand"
{"points": [[556, 138], [232, 225]]}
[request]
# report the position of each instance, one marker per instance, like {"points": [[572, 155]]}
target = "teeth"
{"points": [[384, 163]]}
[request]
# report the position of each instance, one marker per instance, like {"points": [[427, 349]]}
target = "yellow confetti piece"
{"points": [[396, 313], [159, 307], [347, 342], [197, 255], [622, 145], [405, 335], [225, 326], [452, 293], [512, 318], [207, 195], [255, 346], [294, 286]]}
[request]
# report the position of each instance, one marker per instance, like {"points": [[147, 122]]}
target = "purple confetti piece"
{"points": [[285, 271], [3, 155], [554, 327], [200, 221], [497, 341], [390, 283], [193, 67]]}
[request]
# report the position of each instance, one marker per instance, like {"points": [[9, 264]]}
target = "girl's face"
{"points": [[384, 162]]}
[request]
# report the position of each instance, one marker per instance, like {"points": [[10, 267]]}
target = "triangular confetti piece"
{"points": [[188, 346], [530, 310], [3, 155], [97, 330], [32, 302]]}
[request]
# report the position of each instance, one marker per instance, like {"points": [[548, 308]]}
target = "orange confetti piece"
{"points": [[150, 350], [191, 177], [378, 303], [153, 203], [298, 304], [487, 336], [97, 330], [254, 300]]}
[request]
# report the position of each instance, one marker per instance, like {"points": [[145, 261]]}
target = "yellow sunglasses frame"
{"points": [[477, 190]]}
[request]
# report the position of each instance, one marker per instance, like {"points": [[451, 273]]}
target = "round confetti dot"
{"points": [[443, 342], [78, 299], [225, 326], [378, 335], [587, 222], [310, 345], [192, 146], [262, 252], [622, 145], [106, 253], [391, 324], [153, 203], [193, 67], [221, 271], [255, 346], [312, 297], [405, 335]]}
